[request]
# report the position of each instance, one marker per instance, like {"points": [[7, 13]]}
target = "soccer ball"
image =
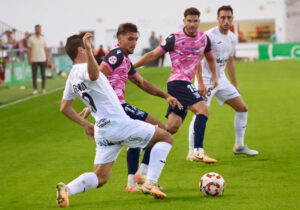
{"points": [[212, 184]]}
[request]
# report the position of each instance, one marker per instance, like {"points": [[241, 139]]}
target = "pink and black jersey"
{"points": [[121, 69], [185, 53]]}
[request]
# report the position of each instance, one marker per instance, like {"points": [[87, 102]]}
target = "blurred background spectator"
{"points": [[37, 56]]}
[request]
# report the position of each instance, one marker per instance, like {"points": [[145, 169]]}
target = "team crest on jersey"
{"points": [[112, 59], [164, 43]]}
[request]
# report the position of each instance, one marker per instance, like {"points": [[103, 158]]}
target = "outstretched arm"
{"points": [[93, 68], [68, 111], [153, 90], [148, 58]]}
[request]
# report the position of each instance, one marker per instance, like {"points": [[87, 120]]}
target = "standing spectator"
{"points": [[3, 61], [99, 54], [23, 44], [61, 49], [153, 41], [7, 40], [161, 59], [37, 57]]}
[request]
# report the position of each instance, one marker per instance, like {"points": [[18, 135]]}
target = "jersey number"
{"points": [[89, 99]]}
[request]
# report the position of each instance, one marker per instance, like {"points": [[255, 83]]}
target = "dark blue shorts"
{"points": [[186, 94], [134, 113]]}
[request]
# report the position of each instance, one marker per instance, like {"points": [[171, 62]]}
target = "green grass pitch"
{"points": [[39, 147]]}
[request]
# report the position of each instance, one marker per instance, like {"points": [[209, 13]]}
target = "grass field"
{"points": [[39, 147]]}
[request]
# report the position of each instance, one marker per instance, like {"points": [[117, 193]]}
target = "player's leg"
{"points": [[201, 112], [209, 96], [141, 174], [174, 122], [240, 124], [133, 154], [34, 78], [43, 75], [104, 159], [161, 144]]}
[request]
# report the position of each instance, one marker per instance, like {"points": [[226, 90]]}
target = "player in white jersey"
{"points": [[223, 43], [113, 128]]}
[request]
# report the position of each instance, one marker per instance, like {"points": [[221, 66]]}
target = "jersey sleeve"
{"points": [[208, 46], [113, 59], [68, 92], [168, 44], [132, 72], [234, 42]]}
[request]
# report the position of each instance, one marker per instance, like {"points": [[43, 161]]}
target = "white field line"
{"points": [[30, 97]]}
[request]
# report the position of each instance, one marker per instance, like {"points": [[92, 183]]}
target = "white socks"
{"points": [[157, 162], [82, 183], [191, 135], [240, 123], [131, 180], [143, 169]]}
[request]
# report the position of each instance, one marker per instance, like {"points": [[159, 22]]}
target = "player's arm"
{"points": [[68, 111], [210, 58], [201, 87], [139, 81], [93, 68], [168, 45], [148, 58], [231, 72]]}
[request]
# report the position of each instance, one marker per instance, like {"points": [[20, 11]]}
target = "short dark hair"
{"points": [[73, 42], [125, 28], [38, 25], [226, 8], [191, 11]]}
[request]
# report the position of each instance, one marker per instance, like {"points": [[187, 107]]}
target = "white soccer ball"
{"points": [[212, 184]]}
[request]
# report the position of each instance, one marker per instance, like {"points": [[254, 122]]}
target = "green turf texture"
{"points": [[40, 147]]}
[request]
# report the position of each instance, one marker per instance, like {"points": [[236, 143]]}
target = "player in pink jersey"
{"points": [[186, 48], [118, 69]]}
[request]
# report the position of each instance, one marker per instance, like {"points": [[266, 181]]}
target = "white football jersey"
{"points": [[223, 46], [97, 95]]}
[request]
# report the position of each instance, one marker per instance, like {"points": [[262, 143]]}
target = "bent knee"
{"points": [[172, 129], [169, 138], [243, 109]]}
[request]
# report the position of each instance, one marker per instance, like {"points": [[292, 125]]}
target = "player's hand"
{"points": [[85, 112], [202, 90], [173, 102], [87, 41], [89, 130], [214, 81]]}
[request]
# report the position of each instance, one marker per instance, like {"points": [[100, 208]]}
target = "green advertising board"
{"points": [[17, 73], [278, 51]]}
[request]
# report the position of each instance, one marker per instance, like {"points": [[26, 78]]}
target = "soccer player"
{"points": [[113, 128], [223, 43], [118, 69], [186, 48]]}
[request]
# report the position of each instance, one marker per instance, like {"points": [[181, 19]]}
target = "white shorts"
{"points": [[223, 92], [134, 134]]}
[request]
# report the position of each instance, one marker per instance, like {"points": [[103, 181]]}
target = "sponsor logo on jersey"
{"points": [[112, 59], [103, 122]]}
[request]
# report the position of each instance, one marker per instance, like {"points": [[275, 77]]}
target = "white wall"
{"points": [[61, 18]]}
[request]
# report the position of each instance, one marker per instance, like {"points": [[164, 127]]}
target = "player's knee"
{"points": [[169, 138], [244, 109], [204, 111], [172, 129]]}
